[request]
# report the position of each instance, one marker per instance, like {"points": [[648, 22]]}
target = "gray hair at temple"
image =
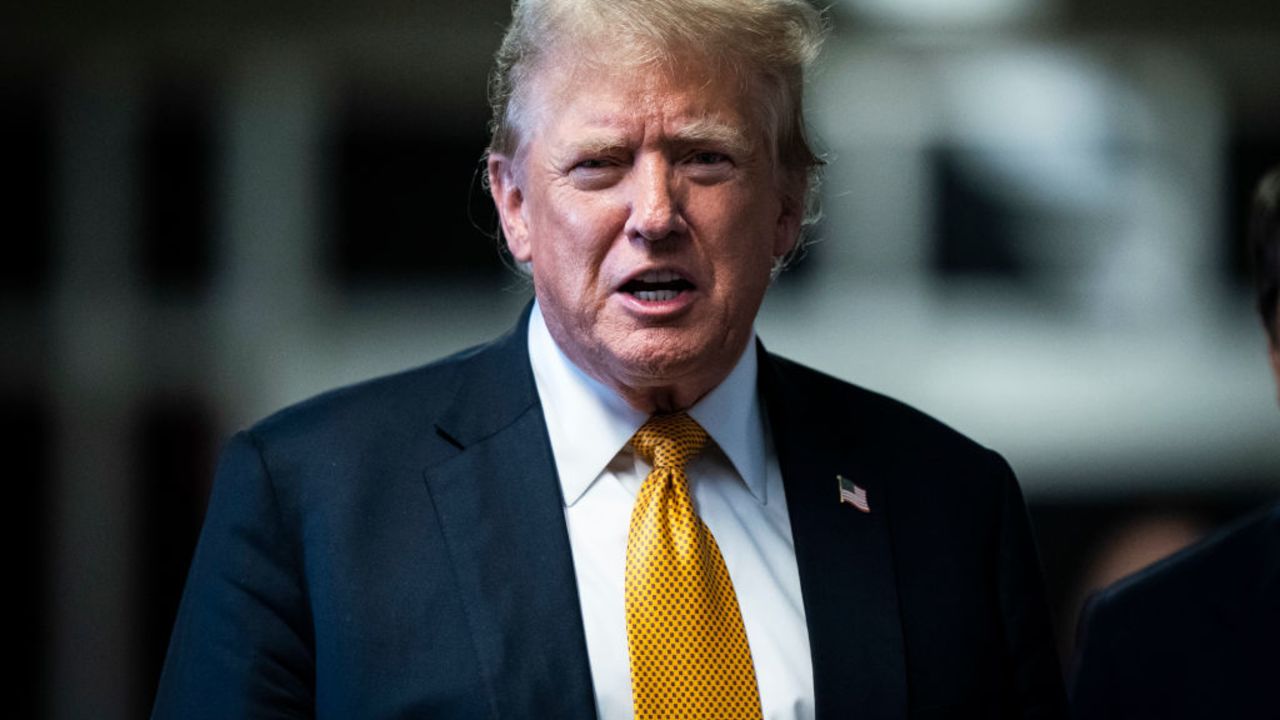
{"points": [[766, 44], [1264, 246]]}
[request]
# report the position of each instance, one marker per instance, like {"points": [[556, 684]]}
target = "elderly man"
{"points": [[626, 507], [1198, 635]]}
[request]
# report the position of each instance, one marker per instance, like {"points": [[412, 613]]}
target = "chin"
{"points": [[658, 363]]}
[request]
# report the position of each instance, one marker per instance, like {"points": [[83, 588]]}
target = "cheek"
{"points": [[587, 231], [571, 212], [749, 237], [572, 252]]}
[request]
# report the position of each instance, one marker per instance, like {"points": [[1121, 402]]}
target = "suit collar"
{"points": [[844, 556], [499, 508], [495, 387], [732, 417]]}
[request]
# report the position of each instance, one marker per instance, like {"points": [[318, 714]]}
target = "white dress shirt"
{"points": [[737, 491]]}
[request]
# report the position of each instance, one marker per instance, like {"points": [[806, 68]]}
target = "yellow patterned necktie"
{"points": [[689, 651]]}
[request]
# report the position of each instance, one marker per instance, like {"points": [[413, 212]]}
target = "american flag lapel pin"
{"points": [[852, 493]]}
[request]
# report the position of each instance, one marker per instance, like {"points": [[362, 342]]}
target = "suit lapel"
{"points": [[499, 507], [844, 556]]}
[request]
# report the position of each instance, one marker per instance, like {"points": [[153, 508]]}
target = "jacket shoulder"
{"points": [[1165, 641], [399, 410], [413, 391], [1231, 561], [934, 475]]}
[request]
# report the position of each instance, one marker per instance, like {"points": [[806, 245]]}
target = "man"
{"points": [[1197, 635], [626, 507]]}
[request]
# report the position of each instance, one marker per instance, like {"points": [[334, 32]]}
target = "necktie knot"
{"points": [[669, 441]]}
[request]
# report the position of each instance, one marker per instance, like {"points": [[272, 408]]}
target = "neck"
{"points": [[662, 390], [661, 400]]}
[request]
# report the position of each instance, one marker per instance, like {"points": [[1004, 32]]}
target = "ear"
{"points": [[509, 199], [790, 217]]}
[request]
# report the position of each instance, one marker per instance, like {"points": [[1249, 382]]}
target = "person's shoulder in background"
{"points": [[1195, 635]]}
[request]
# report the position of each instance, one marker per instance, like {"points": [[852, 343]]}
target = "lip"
{"points": [[654, 310]]}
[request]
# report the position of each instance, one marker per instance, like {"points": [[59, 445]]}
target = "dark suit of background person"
{"points": [[1194, 636], [1197, 635], [398, 549]]}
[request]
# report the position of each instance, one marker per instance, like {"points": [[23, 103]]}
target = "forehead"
{"points": [[590, 93]]}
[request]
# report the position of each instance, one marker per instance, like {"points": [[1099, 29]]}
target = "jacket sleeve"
{"points": [[242, 645], [1032, 654]]}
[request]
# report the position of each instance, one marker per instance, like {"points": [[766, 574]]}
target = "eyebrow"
{"points": [[704, 131], [598, 144], [707, 131]]}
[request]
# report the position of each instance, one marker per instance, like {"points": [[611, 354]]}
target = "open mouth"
{"points": [[657, 285]]}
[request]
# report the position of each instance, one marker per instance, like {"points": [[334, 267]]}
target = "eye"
{"points": [[707, 157], [595, 172], [708, 166]]}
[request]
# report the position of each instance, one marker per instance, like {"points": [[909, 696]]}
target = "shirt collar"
{"points": [[730, 414], [588, 423]]}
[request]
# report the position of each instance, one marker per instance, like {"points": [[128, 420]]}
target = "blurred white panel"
{"points": [[1115, 358], [949, 13], [1044, 117], [1076, 408]]}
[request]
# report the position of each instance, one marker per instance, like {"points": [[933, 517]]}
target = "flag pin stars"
{"points": [[852, 493]]}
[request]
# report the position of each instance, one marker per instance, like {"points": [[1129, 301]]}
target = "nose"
{"points": [[656, 211]]}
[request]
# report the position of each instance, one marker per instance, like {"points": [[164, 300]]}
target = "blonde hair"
{"points": [[765, 44]]}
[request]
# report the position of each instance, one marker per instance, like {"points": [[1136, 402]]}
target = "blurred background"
{"points": [[1034, 217]]}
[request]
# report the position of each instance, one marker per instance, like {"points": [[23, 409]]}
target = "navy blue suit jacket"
{"points": [[398, 549], [1195, 636]]}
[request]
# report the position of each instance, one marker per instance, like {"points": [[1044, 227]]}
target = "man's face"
{"points": [[650, 210]]}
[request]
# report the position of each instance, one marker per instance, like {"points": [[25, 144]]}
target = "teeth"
{"points": [[660, 276], [656, 295]]}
